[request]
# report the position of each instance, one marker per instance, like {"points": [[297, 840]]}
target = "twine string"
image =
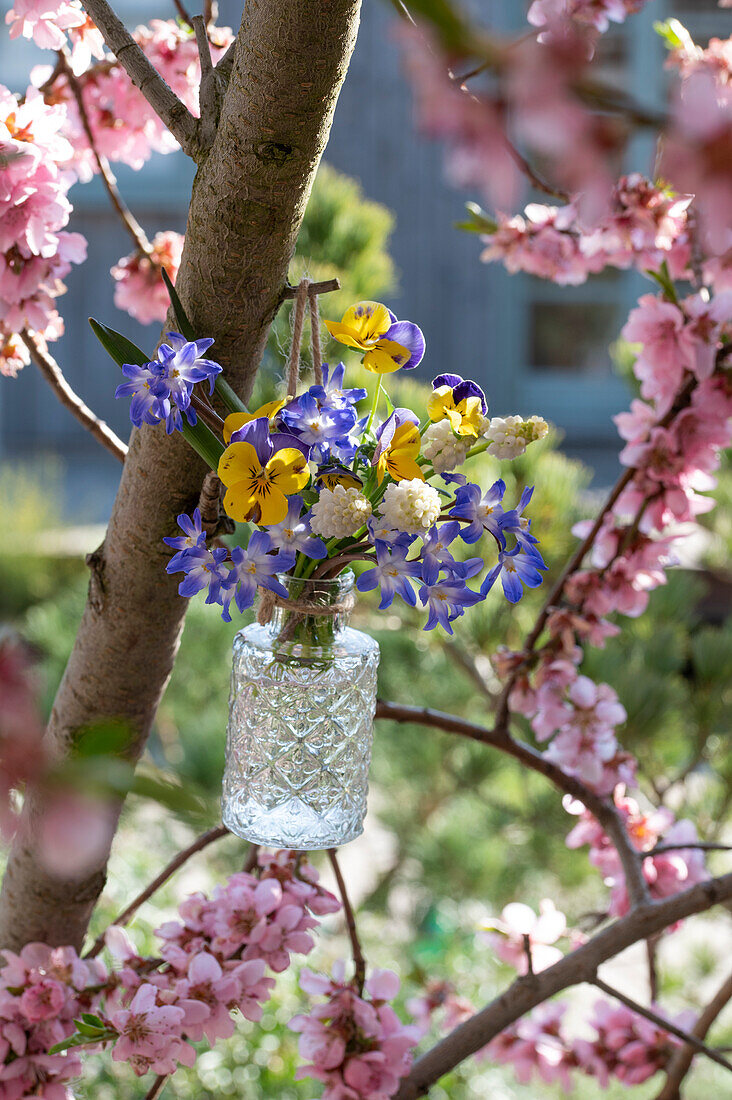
{"points": [[269, 600], [315, 335], [298, 318]]}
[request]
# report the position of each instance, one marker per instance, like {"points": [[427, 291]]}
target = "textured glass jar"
{"points": [[303, 695]]}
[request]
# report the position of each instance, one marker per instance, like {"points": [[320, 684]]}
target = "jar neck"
{"points": [[315, 611]]}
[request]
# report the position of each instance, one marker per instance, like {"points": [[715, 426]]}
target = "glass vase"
{"points": [[303, 696]]}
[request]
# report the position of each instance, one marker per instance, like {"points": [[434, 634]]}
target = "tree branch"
{"points": [[130, 223], [359, 960], [680, 1063], [209, 97], [660, 1021], [603, 810], [68, 397], [182, 857], [579, 966], [176, 116]]}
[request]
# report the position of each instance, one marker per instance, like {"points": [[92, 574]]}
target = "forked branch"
{"points": [[143, 74]]}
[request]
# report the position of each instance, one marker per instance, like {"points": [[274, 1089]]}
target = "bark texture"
{"points": [[247, 205]]}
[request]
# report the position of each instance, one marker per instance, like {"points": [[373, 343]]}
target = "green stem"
{"points": [[372, 414]]}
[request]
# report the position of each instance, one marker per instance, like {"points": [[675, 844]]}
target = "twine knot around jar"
{"points": [[269, 600]]}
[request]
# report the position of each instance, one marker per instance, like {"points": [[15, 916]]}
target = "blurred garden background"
{"points": [[455, 831]]}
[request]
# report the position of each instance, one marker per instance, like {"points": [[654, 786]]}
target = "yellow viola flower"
{"points": [[335, 474], [397, 448], [234, 421], [260, 471], [460, 401], [388, 344]]}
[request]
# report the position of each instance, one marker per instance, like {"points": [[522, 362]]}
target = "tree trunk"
{"points": [[246, 209]]}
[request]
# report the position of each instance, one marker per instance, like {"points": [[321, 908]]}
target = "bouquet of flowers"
{"points": [[320, 482]]}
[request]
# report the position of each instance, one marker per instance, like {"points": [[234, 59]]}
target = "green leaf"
{"points": [[179, 799], [479, 221], [118, 346], [228, 396], [674, 34], [181, 316], [92, 1020], [204, 442], [664, 280]]}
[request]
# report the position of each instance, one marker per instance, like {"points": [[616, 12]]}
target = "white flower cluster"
{"points": [[339, 512], [510, 435], [443, 448], [410, 506]]}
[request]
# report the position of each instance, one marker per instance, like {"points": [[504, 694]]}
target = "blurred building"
{"points": [[534, 347]]}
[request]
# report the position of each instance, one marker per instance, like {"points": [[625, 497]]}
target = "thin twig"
{"points": [[527, 952], [666, 1025], [126, 216], [359, 961], [680, 1063], [183, 13], [600, 808], [157, 1087], [182, 857], [699, 845], [651, 946], [251, 860], [68, 397], [313, 288], [176, 116]]}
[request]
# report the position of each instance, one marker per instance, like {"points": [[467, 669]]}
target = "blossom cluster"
{"points": [[42, 991], [44, 147], [321, 483], [644, 226], [626, 1046], [211, 962], [139, 288], [354, 1040], [35, 250], [570, 19], [124, 125], [529, 97], [667, 872]]}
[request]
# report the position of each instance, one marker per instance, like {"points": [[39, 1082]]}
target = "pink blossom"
{"points": [[628, 1046], [507, 935], [439, 996], [149, 1034], [535, 1044], [696, 151], [357, 1047], [668, 348], [139, 287], [44, 21]]}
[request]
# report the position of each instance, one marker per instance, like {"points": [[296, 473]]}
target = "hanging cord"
{"points": [[306, 295], [298, 319], [315, 335]]}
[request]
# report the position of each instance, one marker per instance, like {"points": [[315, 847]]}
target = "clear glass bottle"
{"points": [[303, 695]]}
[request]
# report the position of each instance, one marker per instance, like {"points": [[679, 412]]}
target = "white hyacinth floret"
{"points": [[339, 512], [509, 436], [443, 448], [410, 506]]}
